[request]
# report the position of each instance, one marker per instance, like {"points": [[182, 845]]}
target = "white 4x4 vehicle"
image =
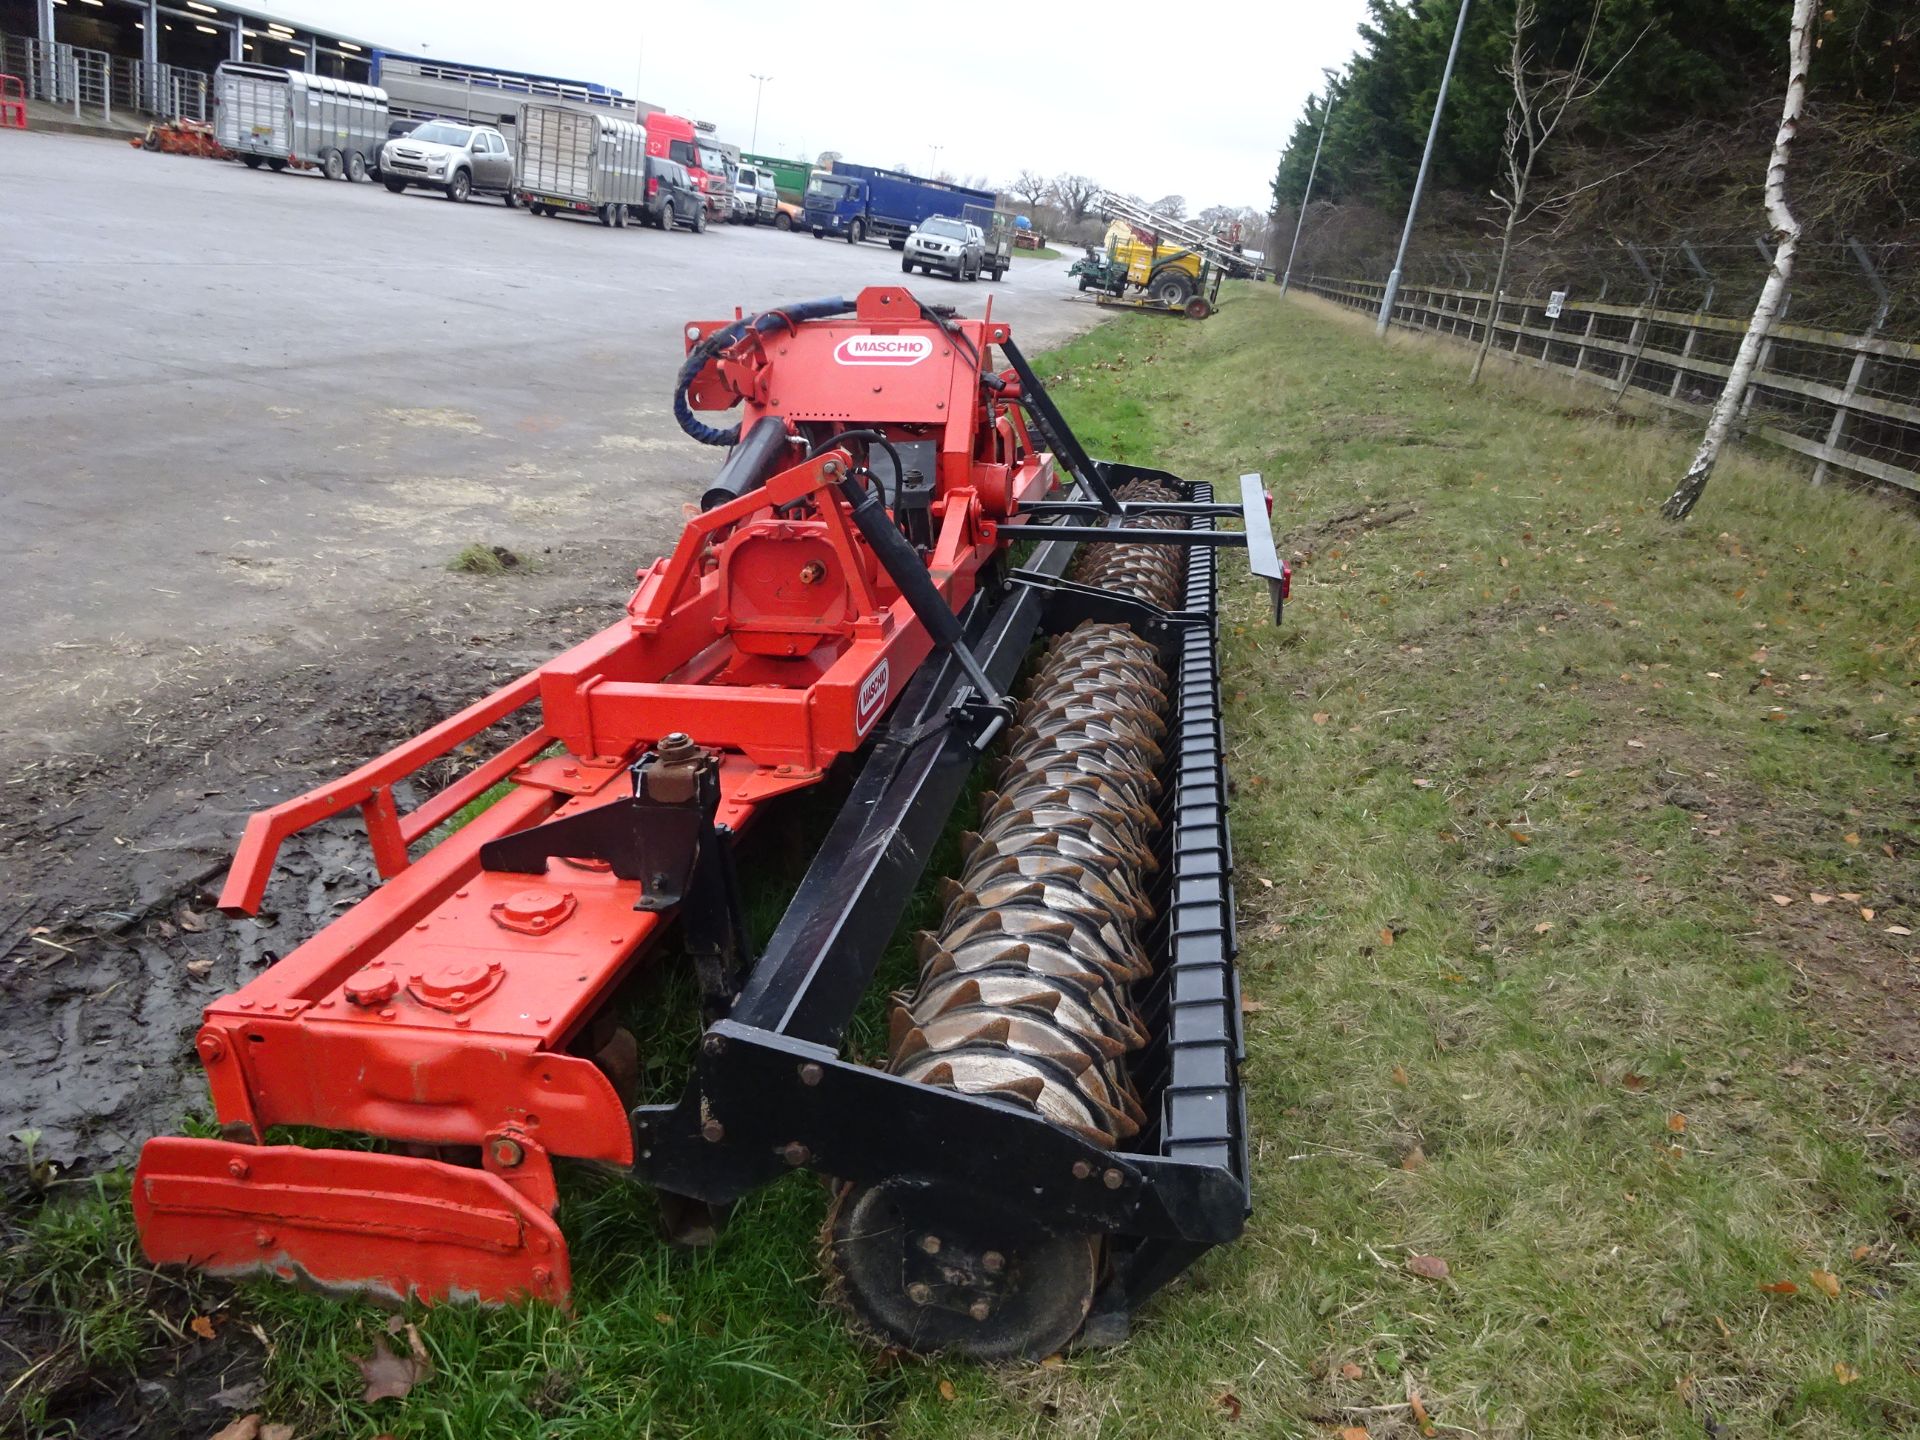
{"points": [[943, 243], [455, 159]]}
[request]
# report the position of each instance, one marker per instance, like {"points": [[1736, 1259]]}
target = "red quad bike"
{"points": [[898, 530]]}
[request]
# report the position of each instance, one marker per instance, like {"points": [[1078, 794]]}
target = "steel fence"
{"points": [[94, 82], [1845, 400]]}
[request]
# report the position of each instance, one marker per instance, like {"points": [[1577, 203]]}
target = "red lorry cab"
{"points": [[676, 138]]}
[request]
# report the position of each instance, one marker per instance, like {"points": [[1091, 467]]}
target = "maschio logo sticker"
{"points": [[873, 699], [883, 350]]}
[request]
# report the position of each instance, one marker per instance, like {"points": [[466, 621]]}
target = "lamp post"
{"points": [[1326, 119], [935, 167], [1426, 158], [760, 84]]}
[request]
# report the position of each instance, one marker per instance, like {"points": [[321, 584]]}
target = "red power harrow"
{"points": [[1059, 1129]]}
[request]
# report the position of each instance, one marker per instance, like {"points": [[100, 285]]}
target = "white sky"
{"points": [[1153, 98]]}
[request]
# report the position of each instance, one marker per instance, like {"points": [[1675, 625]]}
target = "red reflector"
{"points": [[1269, 495], [1286, 579]]}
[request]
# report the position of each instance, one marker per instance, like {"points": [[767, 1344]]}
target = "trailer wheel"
{"points": [[856, 232], [332, 165], [998, 271], [1172, 288], [252, 162], [356, 167], [276, 166], [1198, 308]]}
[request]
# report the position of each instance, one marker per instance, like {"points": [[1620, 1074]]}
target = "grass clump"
{"points": [[1521, 786], [482, 559]]}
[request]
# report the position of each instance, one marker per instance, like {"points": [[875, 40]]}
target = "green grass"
{"points": [[1516, 783], [1045, 252]]}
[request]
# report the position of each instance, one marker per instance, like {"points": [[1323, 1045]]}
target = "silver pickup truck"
{"points": [[455, 159]]}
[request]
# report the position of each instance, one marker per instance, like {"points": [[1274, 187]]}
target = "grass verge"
{"points": [[1523, 785]]}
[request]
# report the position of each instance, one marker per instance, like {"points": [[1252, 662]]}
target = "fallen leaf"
{"points": [[1866, 912], [1543, 927], [1420, 1416], [1400, 1076], [202, 1325], [1780, 1287], [1844, 1372], [247, 1427], [1634, 1082], [1853, 839], [1229, 1402], [199, 969], [1351, 1371], [191, 922], [1520, 839], [1055, 1361], [1423, 784], [661, 1317], [1354, 1432], [390, 1376], [1386, 935], [1677, 1123], [1430, 1267], [1898, 930], [1725, 1332], [1850, 896], [1251, 1007], [947, 1392], [1817, 898], [1635, 745], [1572, 774], [1781, 899], [278, 1430], [1861, 1252], [1265, 884], [1320, 717], [1826, 1282], [1414, 1159]]}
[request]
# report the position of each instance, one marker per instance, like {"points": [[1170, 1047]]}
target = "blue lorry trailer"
{"points": [[860, 202]]}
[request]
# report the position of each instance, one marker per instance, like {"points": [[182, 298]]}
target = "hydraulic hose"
{"points": [[782, 318]]}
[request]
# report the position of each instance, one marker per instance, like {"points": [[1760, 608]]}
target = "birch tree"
{"points": [[1542, 99], [1786, 234]]}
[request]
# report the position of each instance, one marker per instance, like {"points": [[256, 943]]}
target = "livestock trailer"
{"points": [[574, 161], [274, 117]]}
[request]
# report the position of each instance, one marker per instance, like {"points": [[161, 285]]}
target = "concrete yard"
{"points": [[246, 420], [244, 411]]}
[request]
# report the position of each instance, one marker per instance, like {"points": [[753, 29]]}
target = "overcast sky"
{"points": [[1152, 98]]}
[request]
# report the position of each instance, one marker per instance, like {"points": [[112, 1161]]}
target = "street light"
{"points": [[936, 149], [1420, 180], [1326, 119], [760, 84]]}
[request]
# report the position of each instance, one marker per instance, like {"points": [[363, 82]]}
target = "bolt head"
{"points": [[993, 1262], [239, 1169], [811, 1074], [1081, 1169], [920, 1292], [507, 1153], [713, 1132], [714, 1044], [980, 1310], [1113, 1179], [930, 1244], [794, 1153]]}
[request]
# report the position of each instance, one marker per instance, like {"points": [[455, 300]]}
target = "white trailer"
{"points": [[574, 161], [274, 117]]}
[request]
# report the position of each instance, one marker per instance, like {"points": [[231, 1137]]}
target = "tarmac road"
{"points": [[245, 421], [242, 411]]}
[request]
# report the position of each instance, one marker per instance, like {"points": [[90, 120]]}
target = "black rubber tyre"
{"points": [[700, 221], [397, 187], [998, 271], [897, 244], [509, 199], [252, 162], [666, 216], [856, 232], [459, 187], [783, 221], [819, 234], [356, 167], [333, 165], [276, 166], [906, 265], [1171, 287]]}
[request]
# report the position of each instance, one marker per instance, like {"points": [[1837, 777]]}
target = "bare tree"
{"points": [[1542, 98], [1786, 232], [1030, 186], [1174, 207], [1074, 194]]}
